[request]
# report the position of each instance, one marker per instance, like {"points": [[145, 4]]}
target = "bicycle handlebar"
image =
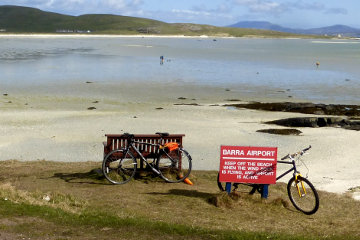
{"points": [[306, 149], [293, 155], [161, 134]]}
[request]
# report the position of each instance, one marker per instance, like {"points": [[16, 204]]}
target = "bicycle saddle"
{"points": [[164, 134], [128, 135]]}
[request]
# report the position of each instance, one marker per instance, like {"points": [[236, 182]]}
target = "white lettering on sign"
{"points": [[233, 152], [260, 153], [264, 164], [229, 167], [248, 164], [229, 163]]}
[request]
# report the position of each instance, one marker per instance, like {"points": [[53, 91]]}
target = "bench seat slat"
{"points": [[118, 141]]}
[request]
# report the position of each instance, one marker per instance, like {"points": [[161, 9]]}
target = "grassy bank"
{"points": [[54, 200], [16, 19]]}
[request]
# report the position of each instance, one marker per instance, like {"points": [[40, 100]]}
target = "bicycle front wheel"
{"points": [[303, 195], [119, 166], [174, 166]]}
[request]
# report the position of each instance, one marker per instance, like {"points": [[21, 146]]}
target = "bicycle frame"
{"points": [[131, 145], [288, 171], [296, 174]]}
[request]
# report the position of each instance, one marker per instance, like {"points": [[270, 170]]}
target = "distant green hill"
{"points": [[18, 19]]}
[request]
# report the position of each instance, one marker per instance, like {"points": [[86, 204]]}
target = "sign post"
{"points": [[255, 165]]}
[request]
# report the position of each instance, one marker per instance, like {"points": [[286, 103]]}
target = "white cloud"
{"points": [[201, 14], [265, 7], [190, 12], [272, 7], [262, 6], [342, 11]]}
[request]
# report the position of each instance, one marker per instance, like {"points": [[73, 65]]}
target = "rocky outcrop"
{"points": [[286, 131], [349, 120], [307, 108], [315, 122]]}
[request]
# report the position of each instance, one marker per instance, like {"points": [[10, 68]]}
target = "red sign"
{"points": [[248, 164]]}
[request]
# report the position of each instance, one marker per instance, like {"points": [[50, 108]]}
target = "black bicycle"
{"points": [[172, 162], [302, 193]]}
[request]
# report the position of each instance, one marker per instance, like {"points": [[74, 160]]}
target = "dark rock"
{"points": [[91, 108], [182, 98], [187, 104], [307, 108], [353, 127], [315, 122], [296, 122], [288, 131]]}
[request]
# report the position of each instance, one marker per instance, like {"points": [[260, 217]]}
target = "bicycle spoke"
{"points": [[174, 166], [118, 168], [303, 195]]}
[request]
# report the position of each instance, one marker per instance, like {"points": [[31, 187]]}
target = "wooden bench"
{"points": [[118, 141]]}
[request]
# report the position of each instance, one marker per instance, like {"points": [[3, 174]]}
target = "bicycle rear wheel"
{"points": [[119, 166], [303, 195], [174, 166]]}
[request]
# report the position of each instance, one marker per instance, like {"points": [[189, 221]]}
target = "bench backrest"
{"points": [[118, 141]]}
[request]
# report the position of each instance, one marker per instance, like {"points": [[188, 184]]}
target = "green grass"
{"points": [[82, 205], [127, 226]]}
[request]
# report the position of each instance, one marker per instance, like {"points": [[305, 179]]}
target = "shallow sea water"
{"points": [[285, 66]]}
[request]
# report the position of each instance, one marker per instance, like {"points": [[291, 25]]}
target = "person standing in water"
{"points": [[161, 60]]}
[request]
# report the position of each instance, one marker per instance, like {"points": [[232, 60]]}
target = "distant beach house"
{"points": [[72, 31]]}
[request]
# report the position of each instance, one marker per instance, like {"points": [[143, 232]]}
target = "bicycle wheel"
{"points": [[119, 167], [174, 166], [303, 195]]}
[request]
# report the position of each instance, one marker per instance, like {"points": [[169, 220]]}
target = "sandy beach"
{"points": [[55, 123]]}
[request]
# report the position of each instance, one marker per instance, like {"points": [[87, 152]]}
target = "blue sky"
{"points": [[288, 13]]}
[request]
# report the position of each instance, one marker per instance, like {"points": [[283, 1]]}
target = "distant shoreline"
{"points": [[79, 35], [52, 35]]}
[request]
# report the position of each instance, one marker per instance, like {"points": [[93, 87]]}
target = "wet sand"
{"points": [[68, 123]]}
